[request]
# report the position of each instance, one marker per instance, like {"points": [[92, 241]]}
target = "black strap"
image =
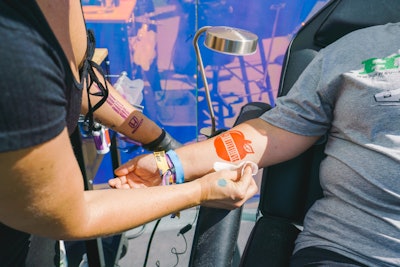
{"points": [[88, 72], [153, 145]]}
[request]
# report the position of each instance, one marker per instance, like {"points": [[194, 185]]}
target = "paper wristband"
{"points": [[179, 175], [161, 161]]}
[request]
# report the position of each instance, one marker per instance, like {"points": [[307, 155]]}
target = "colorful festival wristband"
{"points": [[177, 167], [167, 170], [161, 161]]}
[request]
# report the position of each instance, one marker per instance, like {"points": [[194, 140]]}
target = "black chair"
{"points": [[288, 189]]}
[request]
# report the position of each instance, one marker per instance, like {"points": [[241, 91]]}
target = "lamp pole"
{"points": [[203, 75], [225, 40]]}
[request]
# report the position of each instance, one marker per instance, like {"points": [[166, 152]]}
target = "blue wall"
{"points": [[173, 96]]}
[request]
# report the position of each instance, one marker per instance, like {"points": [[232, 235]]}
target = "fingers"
{"points": [[245, 186], [117, 182], [134, 181], [248, 180], [127, 167], [113, 182], [124, 169], [229, 190], [145, 163]]}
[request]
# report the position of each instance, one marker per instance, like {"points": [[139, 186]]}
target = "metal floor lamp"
{"points": [[225, 40]]}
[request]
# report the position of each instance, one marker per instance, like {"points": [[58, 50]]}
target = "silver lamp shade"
{"points": [[225, 40], [231, 41]]}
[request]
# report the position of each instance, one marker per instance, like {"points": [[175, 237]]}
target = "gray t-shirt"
{"points": [[351, 91]]}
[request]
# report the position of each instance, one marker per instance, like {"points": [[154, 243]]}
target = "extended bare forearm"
{"points": [[254, 140], [119, 115], [41, 192]]}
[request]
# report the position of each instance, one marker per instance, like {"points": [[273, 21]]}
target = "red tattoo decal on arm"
{"points": [[232, 146]]}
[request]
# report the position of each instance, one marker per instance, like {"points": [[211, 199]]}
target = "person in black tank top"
{"points": [[28, 41], [41, 190]]}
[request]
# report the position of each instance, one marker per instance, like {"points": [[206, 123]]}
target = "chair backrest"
{"points": [[288, 189]]}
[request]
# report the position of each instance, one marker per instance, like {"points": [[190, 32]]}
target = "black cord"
{"points": [[88, 72], [149, 244], [174, 251], [182, 232]]}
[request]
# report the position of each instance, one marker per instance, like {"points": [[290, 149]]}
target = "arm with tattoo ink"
{"points": [[41, 185], [118, 114], [254, 140]]}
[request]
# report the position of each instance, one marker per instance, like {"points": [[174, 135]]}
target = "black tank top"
{"points": [[39, 95]]}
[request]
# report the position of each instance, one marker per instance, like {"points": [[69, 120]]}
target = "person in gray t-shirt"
{"points": [[349, 93]]}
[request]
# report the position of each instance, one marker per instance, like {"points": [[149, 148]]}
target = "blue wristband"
{"points": [[179, 176]]}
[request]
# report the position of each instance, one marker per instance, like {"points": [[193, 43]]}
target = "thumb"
{"points": [[122, 170], [247, 179], [246, 175], [252, 165]]}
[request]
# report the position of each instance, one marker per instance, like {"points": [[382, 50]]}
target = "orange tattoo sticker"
{"points": [[232, 146]]}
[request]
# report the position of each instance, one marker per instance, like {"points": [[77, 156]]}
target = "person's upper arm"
{"points": [[272, 144], [41, 187], [36, 160], [33, 105], [308, 107]]}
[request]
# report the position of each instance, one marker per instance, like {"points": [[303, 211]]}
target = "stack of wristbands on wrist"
{"points": [[168, 163], [170, 167], [171, 170]]}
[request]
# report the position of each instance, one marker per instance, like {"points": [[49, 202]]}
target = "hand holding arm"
{"points": [[218, 191], [254, 140], [47, 196], [139, 172]]}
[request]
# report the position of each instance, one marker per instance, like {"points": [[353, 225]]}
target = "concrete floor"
{"points": [[166, 238]]}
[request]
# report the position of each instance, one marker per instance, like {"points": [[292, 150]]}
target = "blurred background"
{"points": [[152, 41]]}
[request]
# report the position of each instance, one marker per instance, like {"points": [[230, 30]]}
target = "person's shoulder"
{"points": [[374, 30], [392, 26], [366, 37], [18, 38]]}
